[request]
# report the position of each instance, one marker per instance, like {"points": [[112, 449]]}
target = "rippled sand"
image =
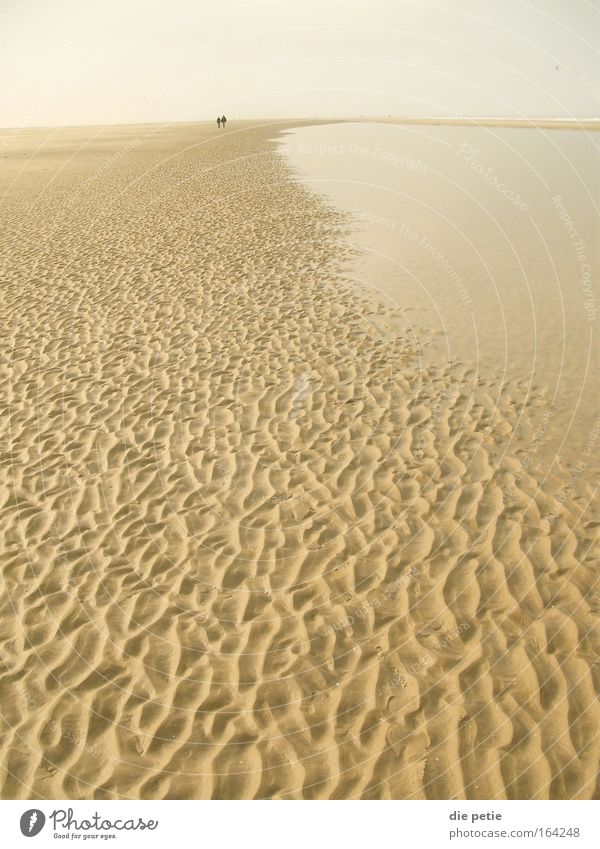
{"points": [[253, 545]]}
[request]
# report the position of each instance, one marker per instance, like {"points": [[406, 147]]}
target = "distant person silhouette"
{"points": [[219, 123], [223, 120]]}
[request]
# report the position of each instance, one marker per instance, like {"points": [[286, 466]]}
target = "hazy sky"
{"points": [[120, 61]]}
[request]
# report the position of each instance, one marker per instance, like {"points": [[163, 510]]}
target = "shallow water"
{"points": [[487, 238]]}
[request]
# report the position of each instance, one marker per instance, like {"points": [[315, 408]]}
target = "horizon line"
{"points": [[481, 120]]}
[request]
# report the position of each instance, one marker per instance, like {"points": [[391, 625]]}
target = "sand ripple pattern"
{"points": [[252, 546]]}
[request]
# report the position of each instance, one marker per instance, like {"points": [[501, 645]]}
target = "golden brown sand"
{"points": [[252, 545]]}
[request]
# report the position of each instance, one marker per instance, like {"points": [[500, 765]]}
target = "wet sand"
{"points": [[255, 543], [487, 238]]}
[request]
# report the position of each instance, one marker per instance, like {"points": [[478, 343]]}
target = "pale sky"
{"points": [[65, 62]]}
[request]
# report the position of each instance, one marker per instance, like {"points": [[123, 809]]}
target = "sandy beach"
{"points": [[256, 544]]}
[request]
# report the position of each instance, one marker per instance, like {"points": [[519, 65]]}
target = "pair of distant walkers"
{"points": [[221, 120]]}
